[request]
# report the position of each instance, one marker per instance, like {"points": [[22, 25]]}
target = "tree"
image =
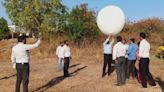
{"points": [[37, 15], [81, 23], [4, 30]]}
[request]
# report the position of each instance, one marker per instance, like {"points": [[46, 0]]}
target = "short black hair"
{"points": [[119, 38], [61, 42], [21, 38], [138, 43], [65, 41], [143, 35], [133, 40]]}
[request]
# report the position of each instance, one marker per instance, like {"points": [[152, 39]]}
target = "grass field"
{"points": [[85, 70]]}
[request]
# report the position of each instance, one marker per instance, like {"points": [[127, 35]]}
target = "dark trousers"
{"points": [[120, 70], [126, 67], [145, 74], [107, 62], [131, 69], [22, 74], [66, 66]]}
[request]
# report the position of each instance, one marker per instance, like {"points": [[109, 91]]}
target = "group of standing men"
{"points": [[137, 57], [129, 59], [63, 54]]}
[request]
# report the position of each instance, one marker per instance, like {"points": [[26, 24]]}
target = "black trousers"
{"points": [[126, 67], [131, 69], [120, 70], [22, 74], [66, 66], [145, 74], [107, 62]]}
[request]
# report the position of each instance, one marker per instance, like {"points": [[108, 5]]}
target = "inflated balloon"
{"points": [[111, 20]]}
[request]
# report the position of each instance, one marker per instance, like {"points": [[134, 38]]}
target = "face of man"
{"points": [[140, 38], [62, 44], [123, 41]]}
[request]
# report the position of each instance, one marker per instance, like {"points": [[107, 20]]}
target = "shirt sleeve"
{"points": [[28, 47], [57, 50], [105, 41], [141, 49], [13, 59], [64, 50], [114, 52]]}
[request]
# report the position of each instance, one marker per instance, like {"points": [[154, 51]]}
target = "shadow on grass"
{"points": [[74, 65], [56, 81], [7, 77], [161, 83]]}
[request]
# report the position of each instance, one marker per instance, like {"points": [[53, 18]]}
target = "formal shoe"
{"points": [[154, 86], [123, 83], [142, 88], [66, 75], [103, 75], [118, 84]]}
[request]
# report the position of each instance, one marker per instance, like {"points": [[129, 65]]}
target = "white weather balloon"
{"points": [[111, 19]]}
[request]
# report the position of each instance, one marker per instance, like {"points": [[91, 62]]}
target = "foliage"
{"points": [[81, 23], [4, 30], [37, 15]]}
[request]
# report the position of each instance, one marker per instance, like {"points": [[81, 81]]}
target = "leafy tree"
{"points": [[81, 23], [37, 15], [4, 30]]}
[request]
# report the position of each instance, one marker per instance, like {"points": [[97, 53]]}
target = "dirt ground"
{"points": [[85, 77]]}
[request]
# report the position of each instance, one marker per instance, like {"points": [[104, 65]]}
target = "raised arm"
{"points": [[28, 47], [106, 41]]}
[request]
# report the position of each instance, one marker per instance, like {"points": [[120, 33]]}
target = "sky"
{"points": [[134, 9]]}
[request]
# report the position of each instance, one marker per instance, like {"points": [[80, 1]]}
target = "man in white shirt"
{"points": [[60, 56], [144, 54], [107, 54], [124, 41], [67, 56], [119, 51], [20, 59]]}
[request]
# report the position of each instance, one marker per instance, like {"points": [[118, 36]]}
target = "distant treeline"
{"points": [[52, 18]]}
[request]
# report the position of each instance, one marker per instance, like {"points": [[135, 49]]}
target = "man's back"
{"points": [[21, 53]]}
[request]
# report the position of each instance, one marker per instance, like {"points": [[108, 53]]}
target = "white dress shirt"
{"points": [[20, 52], [60, 51], [144, 49], [108, 47], [57, 50], [126, 55], [67, 52], [119, 50]]}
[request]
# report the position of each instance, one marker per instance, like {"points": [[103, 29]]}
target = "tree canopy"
{"points": [[4, 30]]}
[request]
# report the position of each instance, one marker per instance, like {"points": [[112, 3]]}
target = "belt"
{"points": [[22, 63], [121, 57]]}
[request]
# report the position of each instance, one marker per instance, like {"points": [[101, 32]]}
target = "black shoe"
{"points": [[142, 88], [118, 84], [66, 75], [103, 75]]}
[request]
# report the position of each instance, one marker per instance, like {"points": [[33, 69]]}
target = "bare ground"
{"points": [[85, 77]]}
